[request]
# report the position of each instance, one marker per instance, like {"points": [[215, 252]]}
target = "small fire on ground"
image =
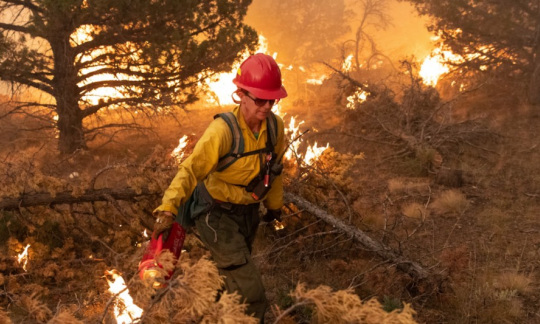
{"points": [[125, 311], [22, 258]]}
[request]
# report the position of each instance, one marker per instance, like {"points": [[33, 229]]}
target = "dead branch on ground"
{"points": [[410, 267], [67, 197]]}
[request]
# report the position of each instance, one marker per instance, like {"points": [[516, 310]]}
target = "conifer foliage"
{"points": [[150, 55], [491, 35]]}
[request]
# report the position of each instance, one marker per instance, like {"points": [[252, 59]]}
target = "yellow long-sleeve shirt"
{"points": [[227, 184]]}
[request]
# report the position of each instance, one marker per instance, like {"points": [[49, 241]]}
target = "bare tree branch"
{"points": [[68, 197], [410, 267]]}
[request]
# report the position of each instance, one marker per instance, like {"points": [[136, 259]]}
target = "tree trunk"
{"points": [[410, 267], [67, 95], [70, 130], [67, 197]]}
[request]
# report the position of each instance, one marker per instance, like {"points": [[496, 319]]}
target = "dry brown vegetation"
{"points": [[471, 218]]}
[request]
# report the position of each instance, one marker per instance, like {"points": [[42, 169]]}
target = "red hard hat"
{"points": [[260, 75]]}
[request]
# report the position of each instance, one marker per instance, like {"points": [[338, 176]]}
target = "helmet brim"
{"points": [[279, 93]]}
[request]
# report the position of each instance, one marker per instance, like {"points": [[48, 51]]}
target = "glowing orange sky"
{"points": [[406, 36]]}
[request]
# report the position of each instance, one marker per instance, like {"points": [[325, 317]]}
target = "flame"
{"points": [[178, 152], [292, 132], [436, 64], [125, 311], [358, 97], [278, 226], [22, 257], [317, 80], [347, 63], [222, 86], [313, 153]]}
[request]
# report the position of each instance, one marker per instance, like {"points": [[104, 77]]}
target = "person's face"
{"points": [[255, 109]]}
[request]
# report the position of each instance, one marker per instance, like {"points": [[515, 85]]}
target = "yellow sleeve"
{"points": [[215, 142], [274, 198]]}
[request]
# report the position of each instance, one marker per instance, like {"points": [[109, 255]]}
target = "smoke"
{"points": [[306, 32], [407, 35]]}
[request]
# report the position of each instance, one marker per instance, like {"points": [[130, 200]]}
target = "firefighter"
{"points": [[225, 213]]}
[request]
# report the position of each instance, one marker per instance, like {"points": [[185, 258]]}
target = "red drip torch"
{"points": [[149, 267]]}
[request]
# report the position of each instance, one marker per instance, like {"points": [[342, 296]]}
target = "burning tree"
{"points": [[500, 36], [147, 55]]}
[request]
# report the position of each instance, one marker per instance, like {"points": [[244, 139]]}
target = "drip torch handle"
{"points": [[267, 175]]}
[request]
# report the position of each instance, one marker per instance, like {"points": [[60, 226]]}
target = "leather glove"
{"points": [[272, 214], [163, 224]]}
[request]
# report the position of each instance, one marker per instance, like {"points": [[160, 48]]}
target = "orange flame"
{"points": [[222, 86], [125, 311], [347, 63], [178, 152], [318, 80], [278, 226], [358, 97], [436, 64], [313, 153], [292, 132], [22, 257]]}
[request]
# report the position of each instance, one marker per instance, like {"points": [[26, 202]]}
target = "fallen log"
{"points": [[412, 268], [67, 197]]}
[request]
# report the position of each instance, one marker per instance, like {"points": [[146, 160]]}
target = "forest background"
{"points": [[413, 197]]}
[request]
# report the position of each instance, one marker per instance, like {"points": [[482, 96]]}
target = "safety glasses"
{"points": [[261, 102]]}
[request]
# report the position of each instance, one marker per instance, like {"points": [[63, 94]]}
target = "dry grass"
{"points": [[408, 186], [450, 202], [344, 306], [36, 309], [493, 217], [415, 211], [513, 281]]}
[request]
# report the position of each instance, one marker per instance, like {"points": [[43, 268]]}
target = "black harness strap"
{"points": [[237, 147]]}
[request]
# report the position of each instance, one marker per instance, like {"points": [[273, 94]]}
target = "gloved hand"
{"points": [[164, 221], [272, 214]]}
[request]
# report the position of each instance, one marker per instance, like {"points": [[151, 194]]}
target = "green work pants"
{"points": [[228, 231]]}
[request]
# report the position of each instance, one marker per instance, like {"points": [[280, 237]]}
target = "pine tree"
{"points": [[498, 35], [157, 51]]}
